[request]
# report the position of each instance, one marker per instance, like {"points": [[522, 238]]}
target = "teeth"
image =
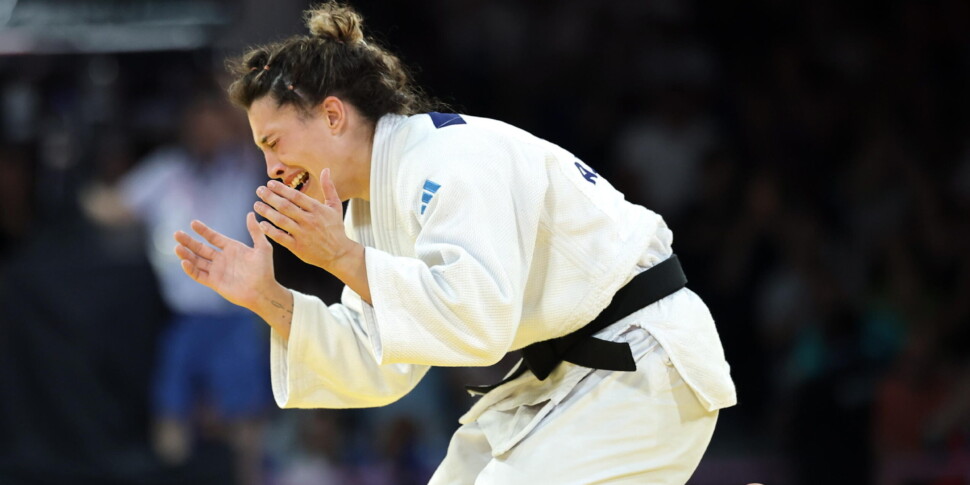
{"points": [[299, 179]]}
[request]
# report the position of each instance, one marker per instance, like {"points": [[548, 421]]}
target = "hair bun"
{"points": [[333, 21]]}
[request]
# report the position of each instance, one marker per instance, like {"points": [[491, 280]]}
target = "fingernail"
{"points": [[273, 183], [260, 190]]}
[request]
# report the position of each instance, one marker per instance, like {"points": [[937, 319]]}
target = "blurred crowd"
{"points": [[812, 159]]}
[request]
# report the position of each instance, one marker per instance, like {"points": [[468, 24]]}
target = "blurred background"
{"points": [[812, 159]]}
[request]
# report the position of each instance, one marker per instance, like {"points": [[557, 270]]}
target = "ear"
{"points": [[335, 112]]}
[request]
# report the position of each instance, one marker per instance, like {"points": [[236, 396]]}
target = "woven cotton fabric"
{"points": [[480, 239]]}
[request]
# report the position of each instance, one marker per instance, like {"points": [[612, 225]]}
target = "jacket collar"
{"points": [[367, 218]]}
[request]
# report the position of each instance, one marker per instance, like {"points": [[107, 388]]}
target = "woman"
{"points": [[464, 238]]}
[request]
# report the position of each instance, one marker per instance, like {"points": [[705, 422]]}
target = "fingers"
{"points": [[185, 254], [196, 258], [194, 272], [329, 190], [286, 200], [301, 200], [280, 220], [211, 235], [194, 245], [259, 239], [274, 233]]}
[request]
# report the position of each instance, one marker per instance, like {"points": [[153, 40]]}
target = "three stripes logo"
{"points": [[429, 190]]}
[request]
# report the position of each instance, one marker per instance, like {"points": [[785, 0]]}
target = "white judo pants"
{"points": [[583, 426]]}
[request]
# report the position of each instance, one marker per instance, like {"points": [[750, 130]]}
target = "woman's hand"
{"points": [[241, 274], [313, 230]]}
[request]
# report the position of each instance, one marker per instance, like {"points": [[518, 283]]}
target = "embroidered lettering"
{"points": [[588, 174]]}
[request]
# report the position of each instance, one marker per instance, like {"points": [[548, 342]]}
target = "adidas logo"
{"points": [[429, 190]]}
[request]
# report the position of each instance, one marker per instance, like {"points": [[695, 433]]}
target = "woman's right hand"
{"points": [[241, 274]]}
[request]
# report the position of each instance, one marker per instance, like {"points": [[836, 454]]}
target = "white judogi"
{"points": [[482, 239]]}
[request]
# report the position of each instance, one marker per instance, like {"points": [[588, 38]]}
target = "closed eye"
{"points": [[266, 144]]}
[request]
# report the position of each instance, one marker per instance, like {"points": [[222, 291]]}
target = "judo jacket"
{"points": [[480, 238]]}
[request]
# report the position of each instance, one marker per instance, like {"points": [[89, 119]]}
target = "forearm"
{"points": [[331, 364], [424, 318], [275, 306], [352, 271]]}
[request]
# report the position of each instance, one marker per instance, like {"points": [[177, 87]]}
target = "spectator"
{"points": [[211, 374]]}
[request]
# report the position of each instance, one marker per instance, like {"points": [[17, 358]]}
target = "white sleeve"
{"points": [[459, 301], [328, 361]]}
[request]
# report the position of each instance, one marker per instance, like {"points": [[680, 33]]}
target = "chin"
{"points": [[315, 195]]}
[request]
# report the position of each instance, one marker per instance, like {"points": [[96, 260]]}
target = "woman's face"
{"points": [[298, 146]]}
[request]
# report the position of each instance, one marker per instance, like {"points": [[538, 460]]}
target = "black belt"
{"points": [[581, 348]]}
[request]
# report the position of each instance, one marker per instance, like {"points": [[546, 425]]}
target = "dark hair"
{"points": [[335, 59]]}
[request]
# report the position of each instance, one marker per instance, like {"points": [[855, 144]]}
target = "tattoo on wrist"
{"points": [[280, 306]]}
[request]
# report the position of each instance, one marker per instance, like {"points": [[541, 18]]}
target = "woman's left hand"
{"points": [[312, 230]]}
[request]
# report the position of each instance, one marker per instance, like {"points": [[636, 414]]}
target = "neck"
{"points": [[362, 160]]}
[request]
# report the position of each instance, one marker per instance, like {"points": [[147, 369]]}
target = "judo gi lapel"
{"points": [[382, 217]]}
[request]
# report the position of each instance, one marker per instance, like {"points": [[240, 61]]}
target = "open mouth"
{"points": [[299, 181]]}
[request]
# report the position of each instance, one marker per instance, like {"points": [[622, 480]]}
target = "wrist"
{"points": [[275, 306], [348, 263], [351, 269]]}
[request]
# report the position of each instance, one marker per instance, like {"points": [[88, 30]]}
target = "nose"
{"points": [[274, 167]]}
